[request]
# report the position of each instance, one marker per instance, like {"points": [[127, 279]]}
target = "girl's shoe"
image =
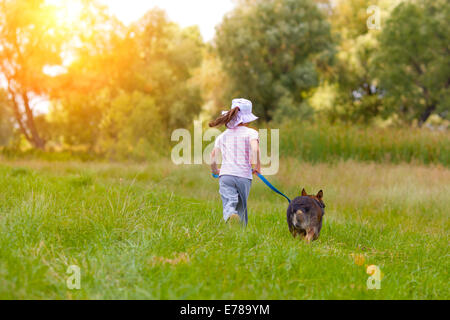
{"points": [[234, 218]]}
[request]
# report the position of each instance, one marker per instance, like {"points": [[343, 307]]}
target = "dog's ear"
{"points": [[319, 195], [304, 193]]}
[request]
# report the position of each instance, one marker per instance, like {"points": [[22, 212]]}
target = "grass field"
{"points": [[155, 231], [313, 143]]}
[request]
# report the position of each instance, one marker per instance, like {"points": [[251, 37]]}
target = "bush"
{"points": [[325, 143]]}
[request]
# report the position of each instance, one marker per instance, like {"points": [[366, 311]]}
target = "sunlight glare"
{"points": [[67, 11]]}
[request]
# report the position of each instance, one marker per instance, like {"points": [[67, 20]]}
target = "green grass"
{"points": [[324, 143], [155, 232], [315, 143]]}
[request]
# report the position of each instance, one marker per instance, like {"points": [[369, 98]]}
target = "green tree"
{"points": [[6, 124], [165, 61], [101, 53], [132, 127], [74, 120], [358, 95], [29, 41], [413, 61], [213, 82], [272, 50], [149, 65]]}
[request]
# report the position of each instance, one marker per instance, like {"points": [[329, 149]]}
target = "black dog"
{"points": [[304, 215]]}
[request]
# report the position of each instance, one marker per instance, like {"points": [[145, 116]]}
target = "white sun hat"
{"points": [[244, 115]]}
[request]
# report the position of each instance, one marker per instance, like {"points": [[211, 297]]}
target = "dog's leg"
{"points": [[294, 232], [310, 236]]}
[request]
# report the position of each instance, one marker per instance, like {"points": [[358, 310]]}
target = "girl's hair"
{"points": [[225, 118]]}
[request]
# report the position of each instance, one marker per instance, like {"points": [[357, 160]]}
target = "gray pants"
{"points": [[234, 192]]}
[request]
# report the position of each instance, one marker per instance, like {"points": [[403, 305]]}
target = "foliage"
{"points": [[413, 61], [324, 143], [357, 95], [132, 127], [360, 96], [6, 125], [214, 83], [272, 50], [75, 119], [119, 90], [29, 41], [148, 68], [168, 57], [313, 143]]}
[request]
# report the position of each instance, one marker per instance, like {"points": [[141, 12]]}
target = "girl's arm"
{"points": [[255, 156], [214, 168]]}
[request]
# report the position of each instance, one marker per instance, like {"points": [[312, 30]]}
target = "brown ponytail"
{"points": [[225, 118]]}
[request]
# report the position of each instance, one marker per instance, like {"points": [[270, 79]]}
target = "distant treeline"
{"points": [[120, 90]]}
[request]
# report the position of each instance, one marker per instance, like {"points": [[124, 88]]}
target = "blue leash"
{"points": [[266, 182]]}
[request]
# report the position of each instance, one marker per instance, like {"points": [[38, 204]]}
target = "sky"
{"points": [[204, 13]]}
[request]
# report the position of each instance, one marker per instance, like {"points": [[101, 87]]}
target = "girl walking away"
{"points": [[239, 147]]}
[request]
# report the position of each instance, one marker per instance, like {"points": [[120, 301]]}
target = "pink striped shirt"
{"points": [[234, 145]]}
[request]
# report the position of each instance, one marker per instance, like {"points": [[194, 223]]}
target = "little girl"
{"points": [[239, 146]]}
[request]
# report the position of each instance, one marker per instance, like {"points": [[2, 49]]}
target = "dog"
{"points": [[305, 214]]}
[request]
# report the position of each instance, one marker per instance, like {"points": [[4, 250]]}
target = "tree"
{"points": [[358, 95], [29, 41], [167, 57], [272, 50], [101, 55], [6, 125], [131, 126], [213, 82], [123, 78], [413, 61]]}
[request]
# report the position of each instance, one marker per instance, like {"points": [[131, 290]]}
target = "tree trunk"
{"points": [[36, 139], [426, 114], [26, 124], [18, 116]]}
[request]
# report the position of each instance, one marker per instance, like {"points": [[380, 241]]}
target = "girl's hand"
{"points": [[255, 171], [216, 171]]}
